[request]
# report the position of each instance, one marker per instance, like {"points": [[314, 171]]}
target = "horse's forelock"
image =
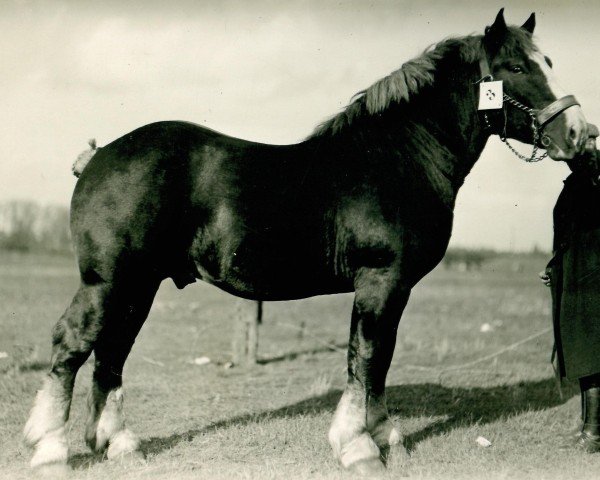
{"points": [[518, 42]]}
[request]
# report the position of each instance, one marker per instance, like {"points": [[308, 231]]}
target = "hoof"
{"points": [[124, 443], [361, 449], [369, 467]]}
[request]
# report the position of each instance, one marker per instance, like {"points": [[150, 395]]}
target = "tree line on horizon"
{"points": [[27, 226]]}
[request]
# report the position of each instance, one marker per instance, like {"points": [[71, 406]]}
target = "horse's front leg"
{"points": [[361, 428]]}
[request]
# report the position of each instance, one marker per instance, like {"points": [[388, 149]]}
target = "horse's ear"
{"points": [[499, 24], [529, 24], [496, 33]]}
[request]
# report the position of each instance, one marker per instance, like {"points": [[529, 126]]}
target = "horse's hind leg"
{"points": [[106, 427], [72, 338]]}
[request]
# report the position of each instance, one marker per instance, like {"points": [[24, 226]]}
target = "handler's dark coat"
{"points": [[575, 274]]}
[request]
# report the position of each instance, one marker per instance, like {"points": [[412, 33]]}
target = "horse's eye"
{"points": [[516, 69]]}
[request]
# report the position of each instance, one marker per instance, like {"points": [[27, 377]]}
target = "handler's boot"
{"points": [[589, 438]]}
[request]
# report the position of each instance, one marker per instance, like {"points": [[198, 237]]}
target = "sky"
{"points": [[267, 71]]}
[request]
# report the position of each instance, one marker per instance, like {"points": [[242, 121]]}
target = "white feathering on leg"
{"points": [[47, 413], [51, 448], [122, 443], [359, 449], [111, 420], [348, 437], [111, 429], [348, 422], [379, 425], [385, 434]]}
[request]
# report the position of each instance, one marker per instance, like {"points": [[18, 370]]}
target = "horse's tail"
{"points": [[84, 157]]}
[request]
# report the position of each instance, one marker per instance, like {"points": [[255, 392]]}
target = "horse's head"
{"points": [[532, 94]]}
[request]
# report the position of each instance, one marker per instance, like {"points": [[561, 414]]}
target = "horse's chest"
{"points": [[369, 237]]}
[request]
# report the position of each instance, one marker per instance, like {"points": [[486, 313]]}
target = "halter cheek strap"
{"points": [[484, 68]]}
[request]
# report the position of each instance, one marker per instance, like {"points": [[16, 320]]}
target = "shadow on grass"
{"points": [[20, 367], [83, 461], [462, 407], [311, 351], [466, 407]]}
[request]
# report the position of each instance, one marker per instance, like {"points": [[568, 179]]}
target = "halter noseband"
{"points": [[539, 118]]}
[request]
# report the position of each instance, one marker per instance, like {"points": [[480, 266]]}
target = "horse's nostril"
{"points": [[573, 134], [575, 137]]}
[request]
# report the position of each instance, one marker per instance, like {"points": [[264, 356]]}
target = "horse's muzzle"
{"points": [[565, 135]]}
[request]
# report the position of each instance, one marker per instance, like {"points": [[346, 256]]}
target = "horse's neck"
{"points": [[452, 150], [444, 133], [437, 133]]}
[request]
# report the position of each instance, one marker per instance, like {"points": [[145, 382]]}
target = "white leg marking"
{"points": [[348, 435], [362, 448], [51, 448], [47, 413], [122, 443], [379, 424], [111, 419], [386, 434], [348, 422], [45, 427], [111, 428]]}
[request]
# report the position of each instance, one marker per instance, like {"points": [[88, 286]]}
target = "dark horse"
{"points": [[364, 204]]}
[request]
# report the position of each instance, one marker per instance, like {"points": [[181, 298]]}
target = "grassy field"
{"points": [[271, 420]]}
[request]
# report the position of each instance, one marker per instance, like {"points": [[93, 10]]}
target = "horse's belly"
{"points": [[267, 270], [279, 291], [288, 284]]}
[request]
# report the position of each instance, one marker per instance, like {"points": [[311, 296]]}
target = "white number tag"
{"points": [[490, 95]]}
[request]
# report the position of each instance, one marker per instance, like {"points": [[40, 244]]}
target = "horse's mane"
{"points": [[415, 74]]}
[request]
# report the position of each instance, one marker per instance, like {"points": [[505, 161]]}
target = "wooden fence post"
{"points": [[248, 316]]}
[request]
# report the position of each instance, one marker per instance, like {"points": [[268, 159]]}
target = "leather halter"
{"points": [[548, 113], [540, 117]]}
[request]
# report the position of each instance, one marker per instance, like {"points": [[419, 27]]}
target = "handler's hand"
{"points": [[545, 277]]}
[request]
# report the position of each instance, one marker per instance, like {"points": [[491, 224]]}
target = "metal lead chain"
{"points": [[534, 126]]}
